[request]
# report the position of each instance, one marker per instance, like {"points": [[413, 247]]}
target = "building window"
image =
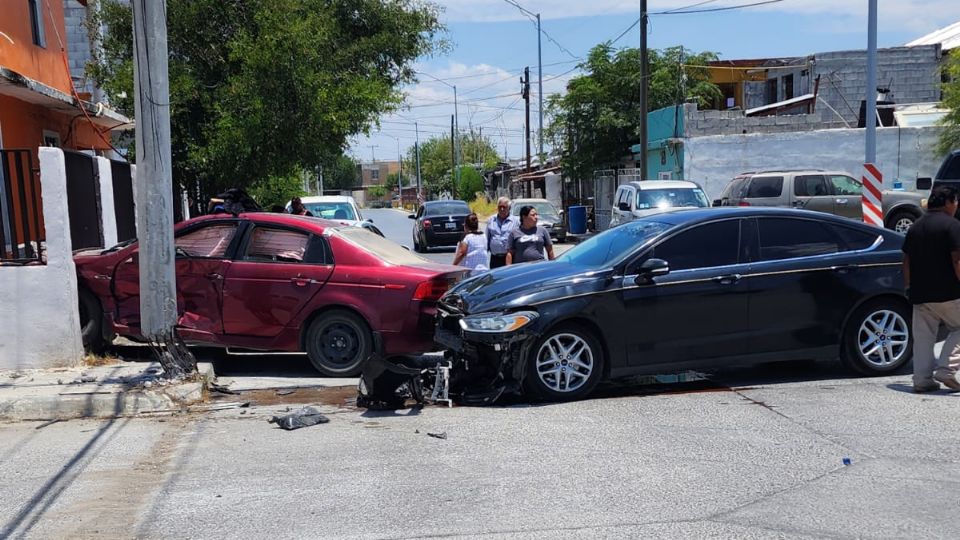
{"points": [[51, 138], [770, 92], [36, 22], [788, 87], [375, 174]]}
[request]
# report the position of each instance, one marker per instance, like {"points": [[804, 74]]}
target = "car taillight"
{"points": [[431, 290], [743, 203], [426, 223]]}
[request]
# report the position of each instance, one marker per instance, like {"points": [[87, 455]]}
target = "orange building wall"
{"points": [[44, 64]]}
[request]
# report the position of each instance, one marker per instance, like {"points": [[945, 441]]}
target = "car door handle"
{"points": [[301, 281], [844, 268], [799, 204], [214, 276], [843, 201], [728, 279]]}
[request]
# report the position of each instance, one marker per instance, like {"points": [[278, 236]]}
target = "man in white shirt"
{"points": [[499, 228]]}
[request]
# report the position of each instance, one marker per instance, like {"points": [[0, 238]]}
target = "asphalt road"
{"points": [[756, 453]]}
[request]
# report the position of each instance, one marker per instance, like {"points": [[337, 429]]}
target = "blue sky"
{"points": [[491, 41]]}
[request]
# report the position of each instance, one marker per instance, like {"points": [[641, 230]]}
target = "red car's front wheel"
{"points": [[338, 342]]}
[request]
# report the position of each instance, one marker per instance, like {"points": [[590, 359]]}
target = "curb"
{"points": [[108, 401]]}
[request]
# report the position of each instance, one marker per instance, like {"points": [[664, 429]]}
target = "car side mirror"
{"points": [[718, 202], [561, 212], [924, 183], [625, 207], [411, 216], [651, 269], [369, 220]]}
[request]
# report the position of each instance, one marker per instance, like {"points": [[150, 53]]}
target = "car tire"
{"points": [[901, 220], [878, 339], [583, 369], [91, 322], [338, 343]]}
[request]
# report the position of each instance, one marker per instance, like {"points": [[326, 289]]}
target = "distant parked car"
{"points": [[833, 192], [276, 282], [439, 223], [340, 208], [638, 199], [683, 289], [550, 218]]}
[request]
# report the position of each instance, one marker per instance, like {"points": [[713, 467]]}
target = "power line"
{"points": [[691, 6], [530, 15], [711, 10], [509, 70]]}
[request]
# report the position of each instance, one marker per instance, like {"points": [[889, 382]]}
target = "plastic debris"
{"points": [[305, 417], [847, 461], [221, 389], [438, 435]]}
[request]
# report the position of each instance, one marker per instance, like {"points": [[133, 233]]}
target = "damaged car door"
{"points": [[203, 257]]}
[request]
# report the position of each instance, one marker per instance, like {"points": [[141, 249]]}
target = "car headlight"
{"points": [[497, 322]]}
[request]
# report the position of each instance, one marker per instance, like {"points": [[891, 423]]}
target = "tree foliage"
{"points": [[341, 172], [471, 183], [261, 89], [950, 136], [436, 160], [597, 119]]}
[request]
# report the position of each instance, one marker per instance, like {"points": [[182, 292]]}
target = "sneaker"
{"points": [[931, 386], [948, 379]]}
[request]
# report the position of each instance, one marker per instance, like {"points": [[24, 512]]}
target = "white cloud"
{"points": [[914, 15]]}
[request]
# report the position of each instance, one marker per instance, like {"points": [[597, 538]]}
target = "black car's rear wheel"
{"points": [[566, 364], [878, 340], [338, 343]]}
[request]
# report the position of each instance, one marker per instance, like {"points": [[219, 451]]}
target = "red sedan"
{"points": [[277, 282]]}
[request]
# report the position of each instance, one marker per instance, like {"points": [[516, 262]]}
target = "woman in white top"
{"points": [[472, 251]]}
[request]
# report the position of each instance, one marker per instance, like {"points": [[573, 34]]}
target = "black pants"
{"points": [[496, 261]]}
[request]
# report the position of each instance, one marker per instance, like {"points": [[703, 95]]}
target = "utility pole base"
{"points": [[173, 355]]}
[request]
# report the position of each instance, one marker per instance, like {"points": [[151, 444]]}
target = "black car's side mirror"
{"points": [[924, 183], [718, 202], [411, 216], [651, 269], [625, 207]]}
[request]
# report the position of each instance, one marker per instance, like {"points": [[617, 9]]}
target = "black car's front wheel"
{"points": [[566, 364], [338, 343], [878, 340]]}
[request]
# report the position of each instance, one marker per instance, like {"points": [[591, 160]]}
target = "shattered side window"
{"points": [[209, 242]]}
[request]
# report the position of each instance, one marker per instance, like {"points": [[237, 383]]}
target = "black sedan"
{"points": [[439, 223], [701, 288]]}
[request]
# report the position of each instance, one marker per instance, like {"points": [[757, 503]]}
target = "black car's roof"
{"points": [[443, 201], [681, 216]]}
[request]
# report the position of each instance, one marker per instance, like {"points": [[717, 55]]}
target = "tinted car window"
{"points": [[844, 185], [814, 185], [704, 246], [210, 242], [446, 209], [276, 245], [765, 186], [612, 246], [854, 239], [734, 189], [786, 238]]}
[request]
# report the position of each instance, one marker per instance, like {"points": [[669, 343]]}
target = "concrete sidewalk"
{"points": [[117, 389]]}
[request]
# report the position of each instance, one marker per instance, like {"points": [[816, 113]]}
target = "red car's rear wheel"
{"points": [[338, 342]]}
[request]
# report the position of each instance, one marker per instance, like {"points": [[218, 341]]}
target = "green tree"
{"points": [[598, 118], [341, 172], [376, 192], [471, 183], [277, 190], [950, 136], [436, 160], [260, 89]]}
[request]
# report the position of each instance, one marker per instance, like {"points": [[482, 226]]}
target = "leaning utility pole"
{"points": [[644, 85], [157, 253]]}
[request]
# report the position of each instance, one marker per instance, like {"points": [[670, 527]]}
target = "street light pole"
{"points": [[400, 173], [870, 112], [644, 82], [416, 147], [456, 137]]}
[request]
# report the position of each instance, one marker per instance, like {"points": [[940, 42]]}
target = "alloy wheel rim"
{"points": [[339, 343], [903, 224], [564, 363], [883, 338]]}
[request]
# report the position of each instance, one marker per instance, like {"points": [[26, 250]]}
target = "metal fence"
{"points": [[21, 232], [83, 199], [124, 207], [604, 188]]}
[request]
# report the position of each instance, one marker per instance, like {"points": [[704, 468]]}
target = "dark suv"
{"points": [[833, 192]]}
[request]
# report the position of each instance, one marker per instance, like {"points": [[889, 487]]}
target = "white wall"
{"points": [[39, 323], [905, 152], [108, 214]]}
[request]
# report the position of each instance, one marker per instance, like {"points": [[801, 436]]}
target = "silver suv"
{"points": [[833, 192], [638, 199]]}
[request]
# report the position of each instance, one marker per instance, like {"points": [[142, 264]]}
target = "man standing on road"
{"points": [[931, 274], [499, 229]]}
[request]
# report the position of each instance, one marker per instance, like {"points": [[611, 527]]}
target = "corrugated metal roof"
{"points": [[948, 38]]}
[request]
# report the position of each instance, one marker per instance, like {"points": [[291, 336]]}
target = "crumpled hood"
{"points": [[520, 285]]}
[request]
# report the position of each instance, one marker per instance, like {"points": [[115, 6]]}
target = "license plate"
{"points": [[450, 225]]}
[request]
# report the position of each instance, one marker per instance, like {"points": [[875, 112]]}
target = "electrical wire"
{"points": [[712, 10]]}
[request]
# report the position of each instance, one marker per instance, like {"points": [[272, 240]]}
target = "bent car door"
{"points": [[698, 310], [203, 257], [802, 284], [277, 273]]}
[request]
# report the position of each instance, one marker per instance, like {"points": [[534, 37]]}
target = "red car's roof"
{"points": [[317, 225]]}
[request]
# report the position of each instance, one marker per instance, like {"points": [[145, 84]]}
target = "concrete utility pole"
{"points": [[157, 254], [644, 85], [400, 173], [870, 112], [453, 157], [525, 92], [456, 140], [416, 147], [540, 86]]}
